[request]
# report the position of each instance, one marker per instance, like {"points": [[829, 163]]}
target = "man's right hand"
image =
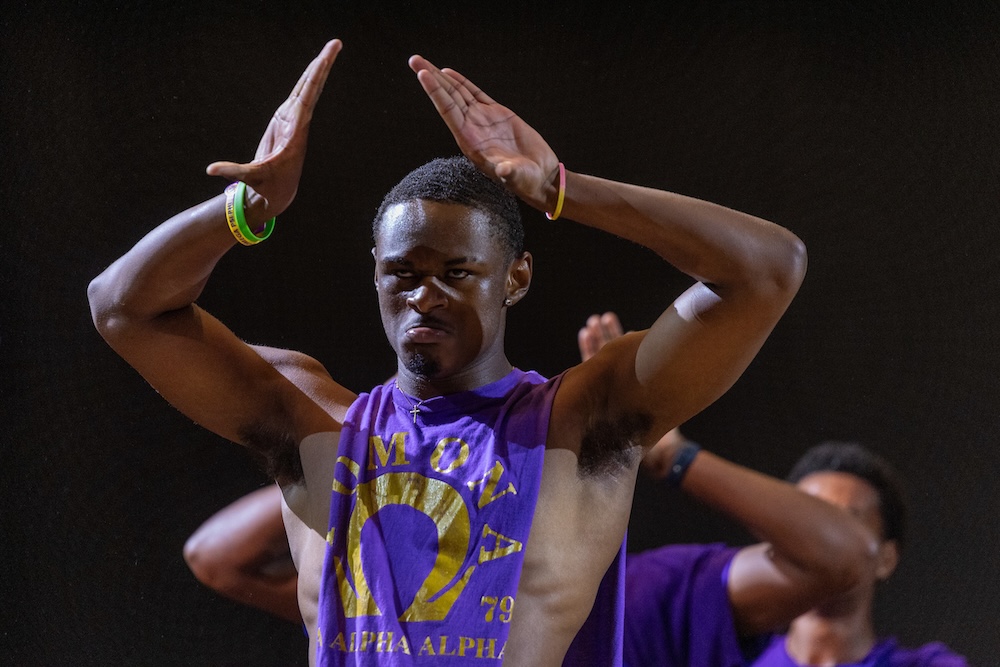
{"points": [[273, 175], [144, 305]]}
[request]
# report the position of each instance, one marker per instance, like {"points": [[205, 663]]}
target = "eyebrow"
{"points": [[403, 261]]}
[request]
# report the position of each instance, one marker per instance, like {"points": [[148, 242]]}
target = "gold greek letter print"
{"points": [[446, 508]]}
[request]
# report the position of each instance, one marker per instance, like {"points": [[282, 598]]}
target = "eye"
{"points": [[404, 274], [458, 274]]}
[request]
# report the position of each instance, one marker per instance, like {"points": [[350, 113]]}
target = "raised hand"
{"points": [[497, 141], [597, 332], [275, 170]]}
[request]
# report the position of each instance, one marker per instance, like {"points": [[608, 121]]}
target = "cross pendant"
{"points": [[415, 410]]}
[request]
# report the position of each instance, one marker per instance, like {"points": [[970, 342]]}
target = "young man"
{"points": [[815, 558], [476, 508], [816, 568], [736, 616], [239, 552]]}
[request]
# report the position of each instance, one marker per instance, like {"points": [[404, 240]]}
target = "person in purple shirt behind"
{"points": [[491, 502], [815, 572]]}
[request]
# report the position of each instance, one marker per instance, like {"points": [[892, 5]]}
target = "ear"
{"points": [[887, 559], [375, 269], [519, 277]]}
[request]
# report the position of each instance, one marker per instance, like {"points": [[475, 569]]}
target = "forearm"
{"points": [[726, 249], [804, 531], [167, 269]]}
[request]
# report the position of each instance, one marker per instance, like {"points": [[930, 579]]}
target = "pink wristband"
{"points": [[562, 193]]}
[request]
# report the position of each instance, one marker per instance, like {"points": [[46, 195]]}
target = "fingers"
{"points": [[588, 343], [228, 170], [291, 120], [451, 93], [474, 91], [597, 332], [611, 327], [252, 173], [417, 63], [448, 101], [309, 86], [458, 89]]}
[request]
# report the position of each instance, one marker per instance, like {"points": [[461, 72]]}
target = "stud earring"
{"points": [[507, 302]]}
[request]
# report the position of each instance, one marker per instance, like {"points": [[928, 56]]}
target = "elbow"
{"points": [[101, 303], [841, 577], [775, 274], [194, 556], [208, 565], [844, 559], [788, 267], [796, 262], [111, 313]]}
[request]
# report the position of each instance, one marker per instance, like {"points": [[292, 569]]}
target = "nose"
{"points": [[427, 297]]}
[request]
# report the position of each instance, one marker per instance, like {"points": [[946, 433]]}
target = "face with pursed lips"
{"points": [[442, 279]]}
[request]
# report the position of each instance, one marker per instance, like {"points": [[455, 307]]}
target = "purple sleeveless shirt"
{"points": [[431, 508]]}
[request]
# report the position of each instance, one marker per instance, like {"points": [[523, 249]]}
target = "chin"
{"points": [[424, 366]]}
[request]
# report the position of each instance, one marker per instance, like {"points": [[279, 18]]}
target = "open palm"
{"points": [[496, 140], [277, 165]]}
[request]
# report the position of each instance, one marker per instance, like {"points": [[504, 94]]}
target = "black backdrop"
{"points": [[869, 130]]}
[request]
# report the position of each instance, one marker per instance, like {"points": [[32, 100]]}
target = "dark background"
{"points": [[870, 130]]}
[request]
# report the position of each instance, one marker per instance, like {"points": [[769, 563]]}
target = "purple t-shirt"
{"points": [[886, 653], [430, 511], [677, 613]]}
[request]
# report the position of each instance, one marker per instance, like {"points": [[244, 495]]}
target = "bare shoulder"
{"points": [[314, 403], [311, 377], [292, 362]]}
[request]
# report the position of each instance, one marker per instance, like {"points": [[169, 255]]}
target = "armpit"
{"points": [[612, 445], [274, 450]]}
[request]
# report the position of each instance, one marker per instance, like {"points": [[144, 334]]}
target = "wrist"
{"points": [[242, 228], [684, 456], [255, 209], [556, 193]]}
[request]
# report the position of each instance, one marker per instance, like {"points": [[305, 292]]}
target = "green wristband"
{"points": [[241, 220]]}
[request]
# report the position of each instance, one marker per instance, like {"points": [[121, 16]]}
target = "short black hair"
{"points": [[854, 459], [456, 180]]}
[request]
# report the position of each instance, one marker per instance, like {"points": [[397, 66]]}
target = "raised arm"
{"points": [[144, 303], [748, 269], [811, 551]]}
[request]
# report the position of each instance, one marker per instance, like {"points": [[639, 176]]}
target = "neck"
{"points": [[822, 638], [469, 378]]}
